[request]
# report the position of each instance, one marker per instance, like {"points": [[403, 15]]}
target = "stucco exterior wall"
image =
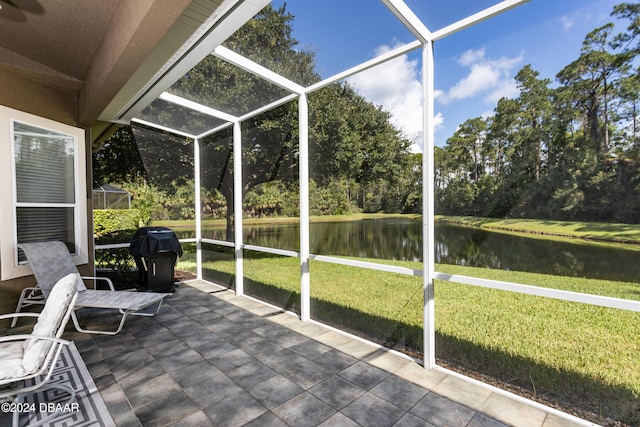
{"points": [[27, 95]]}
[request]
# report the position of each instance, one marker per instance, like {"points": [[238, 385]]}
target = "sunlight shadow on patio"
{"points": [[213, 358]]}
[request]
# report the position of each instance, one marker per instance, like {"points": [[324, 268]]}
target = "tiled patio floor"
{"points": [[212, 358]]}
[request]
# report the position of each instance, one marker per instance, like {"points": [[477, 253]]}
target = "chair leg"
{"points": [[91, 331], [137, 313], [26, 299], [18, 308]]}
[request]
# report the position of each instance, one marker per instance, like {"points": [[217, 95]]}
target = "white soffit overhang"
{"points": [[204, 25]]}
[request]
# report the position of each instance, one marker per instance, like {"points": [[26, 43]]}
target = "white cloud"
{"points": [[471, 57], [396, 86], [487, 113], [581, 18], [491, 77], [438, 121], [567, 22]]}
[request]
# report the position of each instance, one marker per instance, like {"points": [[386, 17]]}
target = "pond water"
{"points": [[401, 239]]}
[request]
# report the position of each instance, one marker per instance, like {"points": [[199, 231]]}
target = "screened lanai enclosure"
{"points": [[279, 134]]}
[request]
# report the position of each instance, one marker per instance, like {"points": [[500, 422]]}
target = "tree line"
{"points": [[358, 160], [571, 151]]}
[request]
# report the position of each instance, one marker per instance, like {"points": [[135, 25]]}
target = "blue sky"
{"points": [[474, 68]]}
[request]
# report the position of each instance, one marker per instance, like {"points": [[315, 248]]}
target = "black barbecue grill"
{"points": [[156, 251]]}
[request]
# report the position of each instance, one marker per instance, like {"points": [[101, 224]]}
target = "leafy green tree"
{"points": [[354, 148], [591, 77], [117, 160], [466, 146], [630, 39], [535, 106], [628, 112], [352, 140], [413, 185]]}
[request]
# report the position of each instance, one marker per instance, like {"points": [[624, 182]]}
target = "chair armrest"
{"points": [[24, 337], [106, 279], [12, 315]]}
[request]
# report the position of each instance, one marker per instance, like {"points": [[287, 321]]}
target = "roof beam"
{"points": [[163, 128], [257, 69], [476, 18], [402, 50], [192, 105], [408, 19]]}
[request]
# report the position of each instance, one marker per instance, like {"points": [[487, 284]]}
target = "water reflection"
{"points": [[401, 239]]}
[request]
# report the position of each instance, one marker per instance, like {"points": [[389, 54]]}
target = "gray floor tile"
{"points": [[98, 369], [280, 360], [334, 361], [168, 314], [263, 347], [168, 410], [370, 410], [235, 410], [114, 397], [179, 360], [288, 339], [281, 335], [304, 410], [482, 420], [127, 363], [337, 392], [399, 392], [157, 337], [410, 420], [207, 392], [364, 375], [113, 348], [225, 327], [194, 310], [338, 420], [195, 373], [275, 391], [214, 348], [201, 337], [167, 348], [141, 374], [180, 326], [306, 374], [231, 360], [439, 411], [199, 419], [206, 317], [245, 338], [250, 374], [268, 419], [150, 390], [309, 348]]}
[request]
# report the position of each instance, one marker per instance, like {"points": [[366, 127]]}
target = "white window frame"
{"points": [[9, 266]]}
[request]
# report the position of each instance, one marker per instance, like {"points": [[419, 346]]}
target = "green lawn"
{"points": [[602, 231], [584, 356]]}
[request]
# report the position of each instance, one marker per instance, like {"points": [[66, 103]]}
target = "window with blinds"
{"points": [[42, 188], [45, 184]]}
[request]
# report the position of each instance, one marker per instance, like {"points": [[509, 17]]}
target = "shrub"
{"points": [[115, 226]]}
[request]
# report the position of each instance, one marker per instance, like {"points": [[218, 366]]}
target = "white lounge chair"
{"points": [[51, 260], [27, 356]]}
